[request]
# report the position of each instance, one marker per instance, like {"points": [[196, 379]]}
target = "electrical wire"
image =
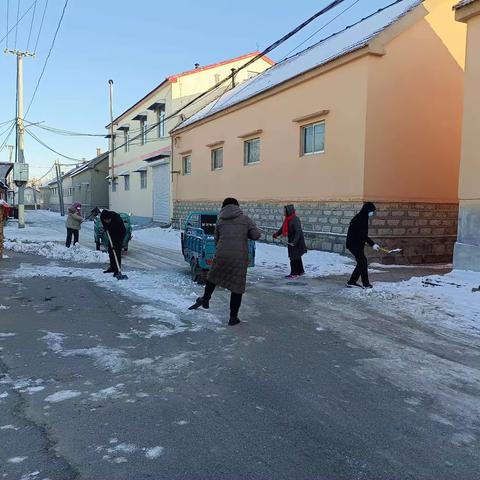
{"points": [[47, 57], [8, 14], [8, 121], [41, 142], [320, 29], [66, 132], [8, 128], [16, 25], [41, 25], [242, 67], [12, 128], [19, 20], [31, 24]]}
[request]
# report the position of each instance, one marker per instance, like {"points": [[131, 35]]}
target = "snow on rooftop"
{"points": [[463, 3], [352, 38]]}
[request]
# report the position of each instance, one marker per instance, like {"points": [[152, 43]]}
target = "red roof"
{"points": [[173, 78]]}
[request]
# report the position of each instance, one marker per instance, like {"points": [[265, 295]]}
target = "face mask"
{"points": [[371, 214]]}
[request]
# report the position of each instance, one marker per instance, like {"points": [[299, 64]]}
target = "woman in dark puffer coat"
{"points": [[292, 229], [229, 268]]}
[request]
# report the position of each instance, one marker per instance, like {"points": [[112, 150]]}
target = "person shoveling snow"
{"points": [[115, 228]]}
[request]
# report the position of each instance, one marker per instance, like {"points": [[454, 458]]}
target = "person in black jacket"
{"points": [[112, 222], [292, 229], [357, 237]]}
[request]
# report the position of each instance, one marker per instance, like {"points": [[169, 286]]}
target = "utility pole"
{"points": [[112, 138], [58, 171], [20, 169], [10, 152]]}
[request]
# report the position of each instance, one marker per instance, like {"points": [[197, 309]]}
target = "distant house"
{"points": [[142, 169], [467, 248], [372, 112], [32, 198], [90, 183], [5, 168], [86, 183]]}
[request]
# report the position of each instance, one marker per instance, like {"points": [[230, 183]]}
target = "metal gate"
{"points": [[161, 192]]}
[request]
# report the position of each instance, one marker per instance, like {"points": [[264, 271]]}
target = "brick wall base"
{"points": [[425, 231]]}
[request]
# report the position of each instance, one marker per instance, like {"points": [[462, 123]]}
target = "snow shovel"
{"points": [[395, 250], [119, 275]]}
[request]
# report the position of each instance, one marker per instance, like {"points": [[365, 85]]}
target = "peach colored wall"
{"points": [[470, 166], [282, 173], [415, 101]]}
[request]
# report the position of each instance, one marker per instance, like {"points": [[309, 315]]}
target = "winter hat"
{"points": [[368, 207], [105, 215], [289, 210], [230, 201]]}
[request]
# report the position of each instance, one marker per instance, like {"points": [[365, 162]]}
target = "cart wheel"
{"points": [[97, 245], [195, 271]]}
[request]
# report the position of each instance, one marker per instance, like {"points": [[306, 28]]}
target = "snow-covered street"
{"points": [[391, 375]]}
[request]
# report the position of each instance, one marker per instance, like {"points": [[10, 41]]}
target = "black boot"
{"points": [[201, 302], [109, 270], [234, 320]]}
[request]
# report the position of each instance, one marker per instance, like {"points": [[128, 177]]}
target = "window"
{"points": [[187, 164], [313, 138], [114, 186], [251, 151], [143, 180], [161, 121], [217, 159], [143, 128], [217, 78], [126, 180], [126, 140]]}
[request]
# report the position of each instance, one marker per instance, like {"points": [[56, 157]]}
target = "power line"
{"points": [[48, 56], [8, 14], [245, 65], [8, 121], [41, 25], [16, 25], [12, 128], [69, 133], [31, 24], [50, 148], [18, 21], [320, 29]]}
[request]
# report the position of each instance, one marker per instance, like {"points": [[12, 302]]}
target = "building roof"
{"points": [[5, 168], [91, 164], [352, 38], [175, 77], [463, 3]]}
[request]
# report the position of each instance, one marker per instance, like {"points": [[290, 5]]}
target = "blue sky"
{"points": [[137, 45]]}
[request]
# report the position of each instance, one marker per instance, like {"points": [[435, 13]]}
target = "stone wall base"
{"points": [[425, 231], [1, 232]]}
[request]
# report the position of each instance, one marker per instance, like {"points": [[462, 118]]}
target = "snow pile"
{"points": [[445, 301], [316, 263], [48, 249], [62, 395]]}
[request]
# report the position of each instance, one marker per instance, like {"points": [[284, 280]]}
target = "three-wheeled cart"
{"points": [[198, 244]]}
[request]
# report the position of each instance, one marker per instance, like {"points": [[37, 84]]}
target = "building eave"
{"points": [[280, 87]]}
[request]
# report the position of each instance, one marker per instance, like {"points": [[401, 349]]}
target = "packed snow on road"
{"points": [[444, 301]]}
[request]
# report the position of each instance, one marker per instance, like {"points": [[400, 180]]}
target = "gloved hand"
{"points": [[376, 247], [275, 235]]}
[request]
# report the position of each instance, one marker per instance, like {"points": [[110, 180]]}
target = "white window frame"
{"points": [[187, 161], [213, 156], [303, 130], [143, 130], [143, 180], [126, 183], [246, 151], [161, 122]]}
